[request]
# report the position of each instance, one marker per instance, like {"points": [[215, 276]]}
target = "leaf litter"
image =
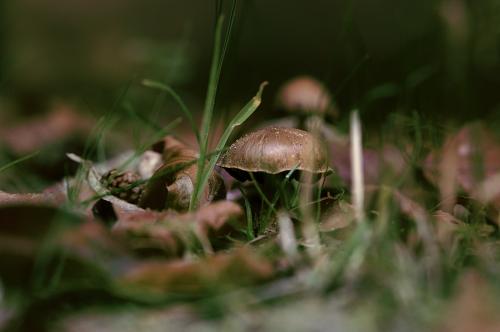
{"points": [[162, 255]]}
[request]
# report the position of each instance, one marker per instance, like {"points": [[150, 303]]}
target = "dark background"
{"points": [[439, 58]]}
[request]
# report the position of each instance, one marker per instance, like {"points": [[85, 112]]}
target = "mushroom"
{"points": [[267, 156], [275, 150], [307, 99]]}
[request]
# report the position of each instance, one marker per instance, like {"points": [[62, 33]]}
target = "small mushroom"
{"points": [[307, 99], [267, 156], [275, 150]]}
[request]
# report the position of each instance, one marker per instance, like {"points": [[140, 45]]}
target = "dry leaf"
{"points": [[240, 267], [92, 187], [376, 163], [475, 308], [47, 249], [215, 217], [165, 232], [173, 183], [338, 216], [59, 124], [92, 242], [52, 196], [148, 235], [468, 161]]}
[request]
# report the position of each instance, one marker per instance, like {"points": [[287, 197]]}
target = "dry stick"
{"points": [[357, 186], [288, 241], [353, 261], [448, 176]]}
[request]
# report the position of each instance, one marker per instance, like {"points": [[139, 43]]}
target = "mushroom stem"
{"points": [[267, 194]]}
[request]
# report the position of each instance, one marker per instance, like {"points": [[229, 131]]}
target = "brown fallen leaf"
{"points": [[469, 160], [34, 234], [337, 217], [240, 267], [92, 242], [167, 231], [215, 217], [172, 185], [59, 124], [147, 235], [376, 162], [54, 196], [474, 308]]}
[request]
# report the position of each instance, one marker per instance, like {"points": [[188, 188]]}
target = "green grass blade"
{"points": [[213, 83], [145, 146], [165, 88], [140, 117], [248, 212], [17, 161], [241, 117], [228, 35]]}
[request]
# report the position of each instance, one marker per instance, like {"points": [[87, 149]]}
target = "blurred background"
{"points": [[433, 56], [440, 59]]}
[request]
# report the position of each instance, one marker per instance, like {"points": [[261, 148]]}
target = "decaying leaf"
{"points": [[468, 161], [240, 267], [172, 184], [146, 234], [165, 232], [474, 307], [38, 240], [56, 126], [150, 161], [215, 216], [91, 187], [54, 196], [338, 216], [376, 163], [92, 242]]}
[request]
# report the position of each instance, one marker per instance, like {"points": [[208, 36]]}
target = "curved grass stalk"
{"points": [[204, 172]]}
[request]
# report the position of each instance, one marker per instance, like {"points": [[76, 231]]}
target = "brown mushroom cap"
{"points": [[275, 150], [304, 94]]}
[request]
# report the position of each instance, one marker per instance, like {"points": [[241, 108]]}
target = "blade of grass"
{"points": [[158, 135], [239, 119], [17, 161], [140, 117], [228, 35], [261, 193], [165, 88], [104, 124], [210, 99], [213, 83], [348, 259], [249, 215], [264, 221]]}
